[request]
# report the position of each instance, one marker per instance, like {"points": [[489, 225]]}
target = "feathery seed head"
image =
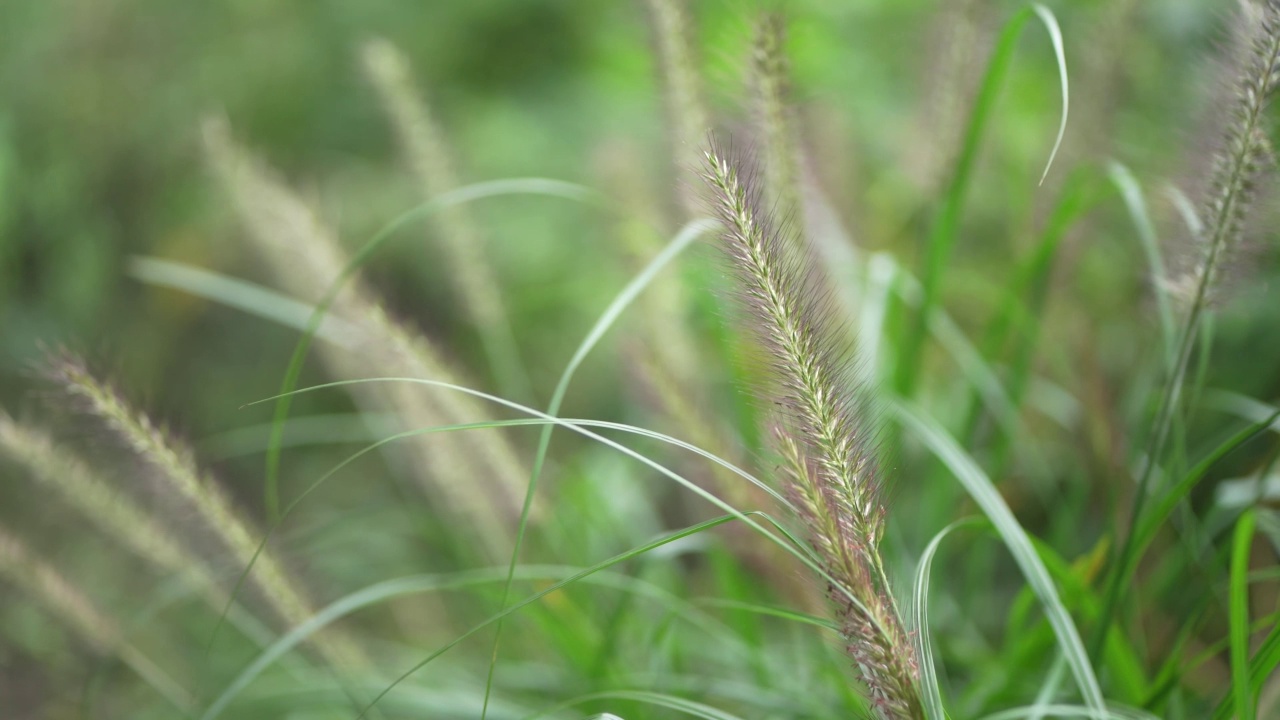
{"points": [[1244, 152], [820, 432]]}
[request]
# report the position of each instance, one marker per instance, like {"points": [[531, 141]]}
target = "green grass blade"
{"points": [[947, 226], [622, 557], [235, 293], [1241, 688], [390, 589], [1060, 55], [930, 693], [465, 194], [689, 233], [984, 493], [540, 417]]}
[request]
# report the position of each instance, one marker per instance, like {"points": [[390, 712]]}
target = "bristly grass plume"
{"points": [[821, 430], [175, 465], [1244, 151]]}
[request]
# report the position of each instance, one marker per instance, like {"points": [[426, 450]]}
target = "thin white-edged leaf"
{"points": [[984, 493]]}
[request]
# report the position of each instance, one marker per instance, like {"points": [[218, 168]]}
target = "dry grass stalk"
{"points": [[474, 474], [686, 111], [1244, 151], [770, 81], [64, 600], [427, 151], [176, 468], [115, 514], [958, 40], [821, 431]]}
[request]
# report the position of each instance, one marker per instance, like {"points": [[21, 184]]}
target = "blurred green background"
{"points": [[101, 107]]}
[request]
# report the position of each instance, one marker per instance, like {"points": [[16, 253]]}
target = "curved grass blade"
{"points": [[690, 232], [468, 193], [983, 492], [947, 226], [395, 588], [1060, 55], [793, 545], [930, 693], [571, 424], [622, 557], [236, 293]]}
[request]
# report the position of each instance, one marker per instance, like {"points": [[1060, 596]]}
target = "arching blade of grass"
{"points": [[388, 590], [983, 492], [690, 232], [574, 425], [792, 545], [947, 226], [671, 702], [700, 527], [930, 693], [469, 193]]}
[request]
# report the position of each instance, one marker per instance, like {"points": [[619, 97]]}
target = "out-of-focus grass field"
{"points": [[105, 113]]}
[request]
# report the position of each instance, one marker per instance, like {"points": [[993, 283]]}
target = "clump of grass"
{"points": [[1243, 154], [476, 474], [176, 468], [822, 432], [427, 151]]}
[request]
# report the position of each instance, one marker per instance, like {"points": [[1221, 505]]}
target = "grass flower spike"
{"points": [[821, 432]]}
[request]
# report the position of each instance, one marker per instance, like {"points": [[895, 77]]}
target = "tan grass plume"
{"points": [[475, 474], [821, 430]]}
